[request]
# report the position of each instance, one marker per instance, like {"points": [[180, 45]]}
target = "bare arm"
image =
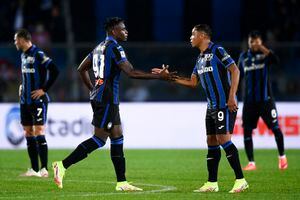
{"points": [[271, 57], [235, 76], [137, 74], [264, 50], [188, 82], [83, 69]]}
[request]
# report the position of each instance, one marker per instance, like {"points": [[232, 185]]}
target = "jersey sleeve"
{"points": [[195, 72], [119, 54], [223, 56], [90, 56], [43, 58]]}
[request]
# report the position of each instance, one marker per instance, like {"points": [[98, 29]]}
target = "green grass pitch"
{"points": [[163, 174]]}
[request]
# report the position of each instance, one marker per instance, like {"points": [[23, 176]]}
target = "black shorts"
{"points": [[105, 115], [219, 121], [34, 114], [266, 110]]}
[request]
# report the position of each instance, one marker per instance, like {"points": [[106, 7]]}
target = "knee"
{"points": [[222, 139], [28, 131], [212, 141], [102, 135], [39, 130]]}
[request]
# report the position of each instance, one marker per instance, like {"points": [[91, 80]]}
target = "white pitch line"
{"points": [[163, 188]]}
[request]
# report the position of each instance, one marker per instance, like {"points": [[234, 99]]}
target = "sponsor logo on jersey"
{"points": [[205, 69], [253, 67], [27, 70], [99, 81]]}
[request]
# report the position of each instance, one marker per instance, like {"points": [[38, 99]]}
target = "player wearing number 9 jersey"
{"points": [[107, 61], [254, 65], [38, 75], [219, 77]]}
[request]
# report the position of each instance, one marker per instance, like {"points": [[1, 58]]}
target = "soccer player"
{"points": [[107, 61], [254, 65], [38, 74], [219, 77]]}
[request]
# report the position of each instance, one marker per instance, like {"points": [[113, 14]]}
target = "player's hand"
{"points": [[36, 94], [232, 104], [164, 73], [159, 70], [20, 90]]}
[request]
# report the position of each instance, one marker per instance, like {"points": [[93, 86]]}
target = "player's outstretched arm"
{"points": [[137, 74], [83, 69], [188, 82], [235, 76]]}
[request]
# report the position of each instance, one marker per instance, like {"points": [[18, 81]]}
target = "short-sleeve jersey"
{"points": [[211, 70], [105, 59], [34, 63], [254, 67]]}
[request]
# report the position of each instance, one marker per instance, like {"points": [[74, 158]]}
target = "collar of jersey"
{"points": [[210, 44], [111, 39], [253, 53], [29, 50]]}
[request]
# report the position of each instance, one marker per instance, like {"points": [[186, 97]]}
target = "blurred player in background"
{"points": [[219, 77], [254, 65], [38, 74], [107, 61]]}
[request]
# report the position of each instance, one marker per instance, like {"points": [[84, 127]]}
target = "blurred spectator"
{"points": [[19, 15], [41, 37], [8, 81], [57, 25], [137, 92]]}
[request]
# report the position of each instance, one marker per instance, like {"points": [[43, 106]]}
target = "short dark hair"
{"points": [[255, 34], [110, 23], [23, 33], [204, 28]]}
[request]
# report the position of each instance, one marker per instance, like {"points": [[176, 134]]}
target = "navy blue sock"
{"points": [[279, 140], [117, 157], [232, 155], [43, 150], [82, 150], [33, 153], [248, 142], [213, 159]]}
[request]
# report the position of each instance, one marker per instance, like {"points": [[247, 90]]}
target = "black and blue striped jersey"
{"points": [[34, 67], [105, 59], [211, 70], [254, 67]]}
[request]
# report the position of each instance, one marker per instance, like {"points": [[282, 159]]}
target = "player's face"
{"points": [[196, 38], [254, 43], [120, 32], [18, 42]]}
